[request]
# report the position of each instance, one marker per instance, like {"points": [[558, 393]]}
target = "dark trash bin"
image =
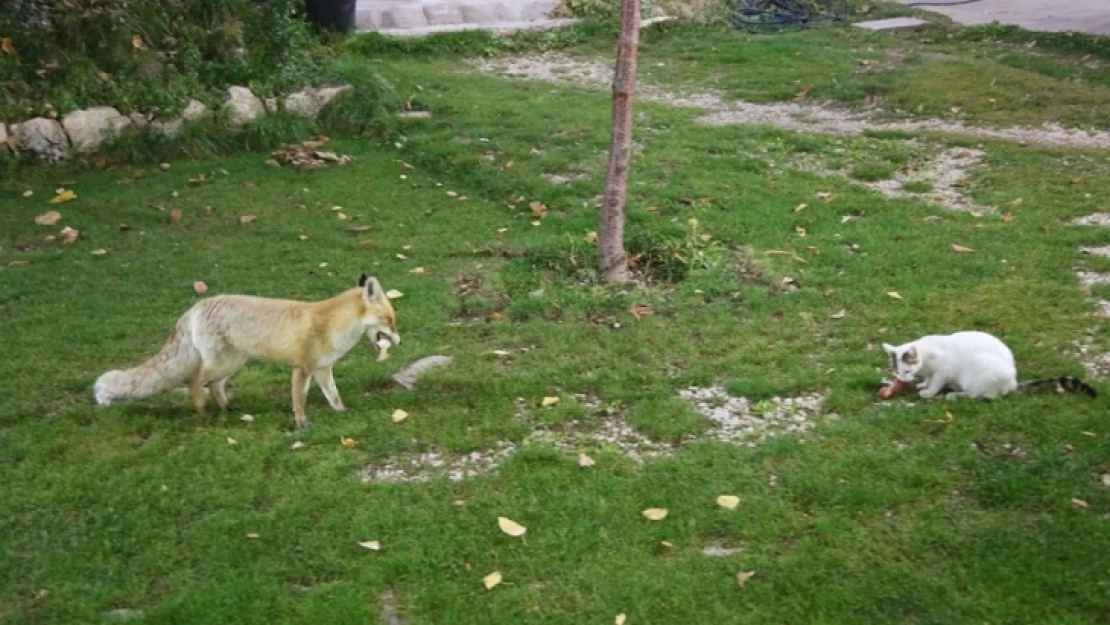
{"points": [[337, 15]]}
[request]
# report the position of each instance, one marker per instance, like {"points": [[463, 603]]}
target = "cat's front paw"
{"points": [[926, 394]]}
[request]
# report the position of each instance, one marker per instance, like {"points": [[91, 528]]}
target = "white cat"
{"points": [[973, 364]]}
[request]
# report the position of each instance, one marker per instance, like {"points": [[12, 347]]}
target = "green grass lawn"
{"points": [[889, 514]]}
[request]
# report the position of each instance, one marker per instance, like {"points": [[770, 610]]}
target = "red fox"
{"points": [[217, 336]]}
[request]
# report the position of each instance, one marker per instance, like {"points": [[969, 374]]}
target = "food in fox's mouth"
{"points": [[383, 349]]}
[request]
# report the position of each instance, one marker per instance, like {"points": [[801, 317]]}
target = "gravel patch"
{"points": [[739, 420], [1103, 251], [1094, 219], [732, 419], [1092, 278], [947, 171], [798, 116]]}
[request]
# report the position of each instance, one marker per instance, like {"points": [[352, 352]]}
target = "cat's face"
{"points": [[905, 361]]}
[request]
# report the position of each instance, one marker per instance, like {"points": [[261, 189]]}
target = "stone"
{"points": [[894, 24], [403, 17], [415, 114], [309, 102], [89, 127], [443, 13], [484, 13], [271, 105], [42, 138], [139, 120], [243, 105], [3, 134], [194, 110], [171, 127]]}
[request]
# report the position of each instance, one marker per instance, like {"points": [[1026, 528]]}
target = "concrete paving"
{"points": [[1084, 16], [423, 17]]}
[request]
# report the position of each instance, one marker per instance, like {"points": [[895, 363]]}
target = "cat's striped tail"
{"points": [[1061, 384]]}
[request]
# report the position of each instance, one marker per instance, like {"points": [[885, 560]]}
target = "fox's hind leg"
{"points": [[219, 389], [196, 392]]}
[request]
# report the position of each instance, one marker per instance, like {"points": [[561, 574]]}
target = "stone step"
{"points": [[425, 16]]}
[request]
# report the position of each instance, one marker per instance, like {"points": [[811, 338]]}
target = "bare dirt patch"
{"points": [[797, 116]]}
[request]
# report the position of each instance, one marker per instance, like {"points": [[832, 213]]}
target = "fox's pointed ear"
{"points": [[363, 279], [373, 288]]}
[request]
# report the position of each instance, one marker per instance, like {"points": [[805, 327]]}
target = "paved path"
{"points": [[422, 17], [1086, 16]]}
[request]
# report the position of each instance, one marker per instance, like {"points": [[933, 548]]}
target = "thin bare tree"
{"points": [[612, 257]]}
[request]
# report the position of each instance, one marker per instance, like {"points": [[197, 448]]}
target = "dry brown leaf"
{"points": [[49, 218], [394, 294], [418, 271], [492, 580], [105, 76], [64, 195], [728, 501], [800, 230], [585, 461], [358, 229], [838, 314], [175, 216], [825, 196], [639, 310], [743, 576], [297, 445], [348, 443], [1007, 217], [7, 46], [801, 207], [1080, 503], [246, 219], [549, 401], [655, 514], [69, 235], [894, 294], [591, 237], [137, 42], [399, 415], [452, 194], [961, 248], [539, 209], [200, 288], [372, 545], [511, 527]]}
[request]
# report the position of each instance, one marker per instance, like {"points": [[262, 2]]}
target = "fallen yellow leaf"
{"points": [[961, 248], [372, 545], [1079, 502], [591, 237], [585, 461], [744, 576], [49, 218], [655, 514], [838, 314], [511, 527], [728, 501], [492, 580], [894, 294], [232, 441], [399, 415], [137, 42], [348, 443], [252, 535], [99, 252], [7, 46], [246, 219], [64, 195], [619, 620], [549, 401], [394, 294], [801, 207], [28, 193]]}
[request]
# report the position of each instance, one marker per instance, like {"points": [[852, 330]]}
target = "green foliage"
{"points": [[150, 56]]}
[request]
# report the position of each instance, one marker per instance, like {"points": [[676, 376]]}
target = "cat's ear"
{"points": [[910, 357], [888, 348]]}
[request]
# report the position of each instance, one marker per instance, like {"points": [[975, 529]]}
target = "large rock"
{"points": [[195, 110], [87, 128], [309, 102], [3, 135], [42, 138], [243, 105]]}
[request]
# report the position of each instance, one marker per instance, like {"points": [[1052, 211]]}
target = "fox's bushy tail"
{"points": [[171, 367], [1065, 383]]}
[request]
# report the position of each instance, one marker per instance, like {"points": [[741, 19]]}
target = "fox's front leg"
{"points": [[326, 382]]}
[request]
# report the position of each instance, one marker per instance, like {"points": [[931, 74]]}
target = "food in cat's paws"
{"points": [[892, 389]]}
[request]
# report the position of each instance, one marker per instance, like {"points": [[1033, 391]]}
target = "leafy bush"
{"points": [[138, 55]]}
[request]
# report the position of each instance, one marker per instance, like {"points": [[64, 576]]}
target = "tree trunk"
{"points": [[612, 258]]}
